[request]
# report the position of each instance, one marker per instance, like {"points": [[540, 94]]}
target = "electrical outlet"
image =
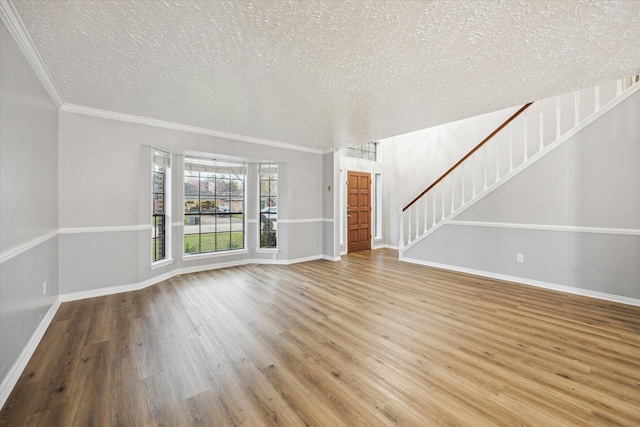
{"points": [[44, 288], [519, 257]]}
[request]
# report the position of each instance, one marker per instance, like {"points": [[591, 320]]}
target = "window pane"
{"points": [[208, 242], [191, 243], [366, 151], [236, 187], [237, 240]]}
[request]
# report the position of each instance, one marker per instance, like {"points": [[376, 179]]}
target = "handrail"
{"points": [[477, 147]]}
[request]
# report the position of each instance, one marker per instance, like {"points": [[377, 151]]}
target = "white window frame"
{"points": [[213, 165]]}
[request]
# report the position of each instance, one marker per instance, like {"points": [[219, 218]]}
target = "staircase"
{"points": [[532, 132]]}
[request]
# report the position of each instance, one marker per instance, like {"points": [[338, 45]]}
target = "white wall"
{"points": [[105, 208], [574, 215], [415, 160], [28, 204]]}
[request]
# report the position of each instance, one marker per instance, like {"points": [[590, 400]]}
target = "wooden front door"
{"points": [[359, 211]]}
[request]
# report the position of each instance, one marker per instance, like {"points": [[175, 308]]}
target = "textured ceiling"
{"points": [[323, 74]]}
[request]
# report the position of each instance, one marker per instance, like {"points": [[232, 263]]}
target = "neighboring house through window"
{"points": [[214, 193]]}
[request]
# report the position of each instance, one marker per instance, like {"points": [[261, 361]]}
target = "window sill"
{"points": [[196, 257], [267, 250], [162, 263]]}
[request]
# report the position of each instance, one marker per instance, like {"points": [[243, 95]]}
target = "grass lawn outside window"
{"points": [[213, 242]]}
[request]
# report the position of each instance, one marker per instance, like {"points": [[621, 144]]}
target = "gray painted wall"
{"points": [[28, 202], [105, 169], [593, 180]]}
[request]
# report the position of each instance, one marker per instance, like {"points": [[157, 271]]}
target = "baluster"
{"points": [[486, 161], [418, 219], [409, 226], [462, 184], [434, 209], [497, 161], [597, 98], [541, 130], [619, 87], [557, 117], [576, 106], [453, 192], [426, 209], [473, 176], [401, 244], [510, 148], [442, 217], [525, 139]]}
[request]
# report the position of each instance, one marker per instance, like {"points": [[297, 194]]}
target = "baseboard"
{"points": [[331, 258], [385, 246], [198, 269], [111, 290], [374, 247], [537, 283], [18, 367]]}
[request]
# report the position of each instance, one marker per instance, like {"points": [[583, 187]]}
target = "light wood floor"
{"points": [[366, 341]]}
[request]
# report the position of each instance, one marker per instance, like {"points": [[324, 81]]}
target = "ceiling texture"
{"points": [[324, 74]]}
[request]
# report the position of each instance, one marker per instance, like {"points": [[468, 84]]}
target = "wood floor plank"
{"points": [[365, 341]]}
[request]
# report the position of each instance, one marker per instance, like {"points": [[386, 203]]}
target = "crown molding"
{"points": [[18, 31], [78, 109], [12, 20]]}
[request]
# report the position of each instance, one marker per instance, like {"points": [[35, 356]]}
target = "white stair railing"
{"points": [[493, 161]]}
